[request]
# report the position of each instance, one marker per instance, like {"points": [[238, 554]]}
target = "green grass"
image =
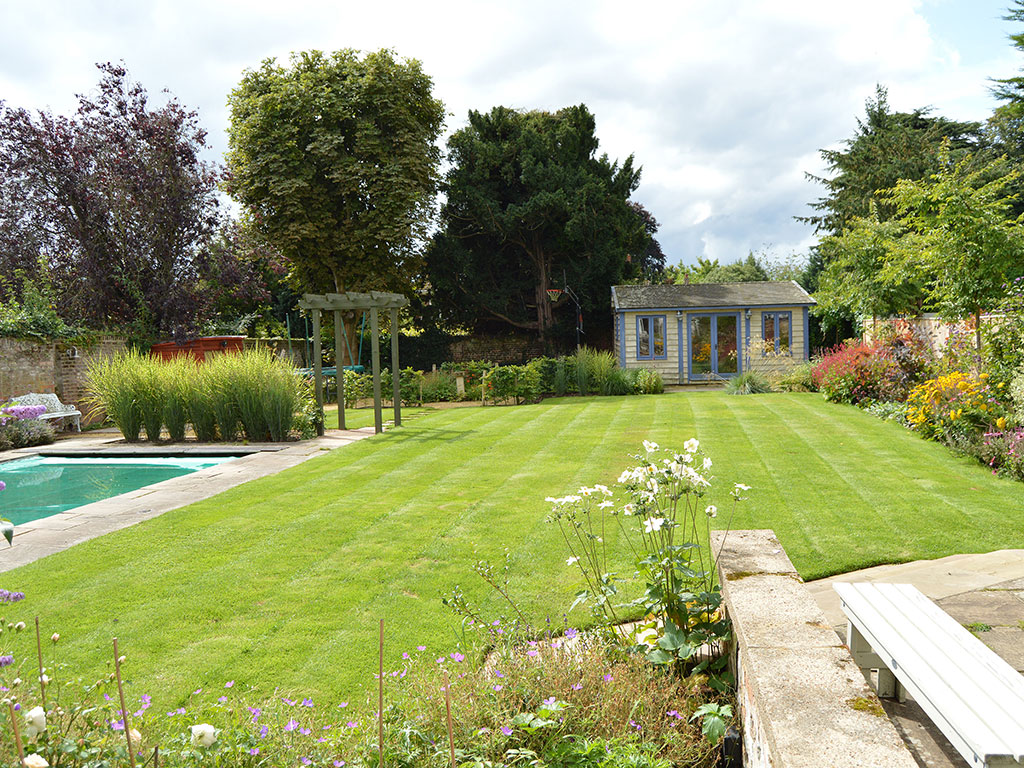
{"points": [[281, 582], [355, 418]]}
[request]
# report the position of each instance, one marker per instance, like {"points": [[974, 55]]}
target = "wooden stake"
{"points": [[39, 651], [448, 711], [156, 757], [124, 710], [17, 735], [380, 692]]}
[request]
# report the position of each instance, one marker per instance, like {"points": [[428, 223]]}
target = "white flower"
{"points": [[19, 626], [650, 447], [135, 738], [55, 637], [603, 489], [742, 487], [711, 510], [707, 462], [572, 560], [35, 722], [35, 761], [653, 524], [628, 509], [203, 735], [44, 680], [652, 485], [584, 491], [691, 445], [605, 504]]}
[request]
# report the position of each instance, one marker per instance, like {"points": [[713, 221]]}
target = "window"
{"points": [[650, 337], [777, 332]]}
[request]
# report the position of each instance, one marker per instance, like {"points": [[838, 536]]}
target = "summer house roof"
{"points": [[701, 295]]}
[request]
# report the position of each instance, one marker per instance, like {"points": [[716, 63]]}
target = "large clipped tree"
{"points": [[335, 158], [531, 206], [114, 204]]}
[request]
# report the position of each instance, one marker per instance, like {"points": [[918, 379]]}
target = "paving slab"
{"points": [[995, 608], [55, 533]]}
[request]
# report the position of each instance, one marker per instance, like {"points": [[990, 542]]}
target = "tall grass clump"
{"points": [[111, 387], [151, 393], [748, 383], [600, 365], [582, 365], [199, 402], [617, 382], [176, 380]]}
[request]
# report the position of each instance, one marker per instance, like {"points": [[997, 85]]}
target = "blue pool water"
{"points": [[41, 486]]}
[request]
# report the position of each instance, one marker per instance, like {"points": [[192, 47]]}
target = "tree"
{"points": [[335, 158], [649, 264], [887, 146], [951, 244], [115, 203], [710, 271], [531, 206]]}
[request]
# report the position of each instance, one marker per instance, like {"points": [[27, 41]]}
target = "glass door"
{"points": [[714, 346]]}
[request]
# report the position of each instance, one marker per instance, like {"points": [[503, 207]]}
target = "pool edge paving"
{"points": [[49, 535]]}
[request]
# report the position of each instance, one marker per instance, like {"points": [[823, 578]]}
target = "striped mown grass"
{"points": [[280, 582]]}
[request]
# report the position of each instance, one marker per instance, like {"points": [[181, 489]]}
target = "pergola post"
{"points": [[378, 417], [318, 373], [339, 378], [396, 377]]}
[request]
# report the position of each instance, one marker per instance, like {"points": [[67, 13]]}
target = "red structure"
{"points": [[199, 348]]}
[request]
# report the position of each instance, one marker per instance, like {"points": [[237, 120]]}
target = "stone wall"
{"points": [[57, 367], [502, 350], [803, 702]]}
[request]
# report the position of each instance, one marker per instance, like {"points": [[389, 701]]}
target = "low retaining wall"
{"points": [[803, 702]]}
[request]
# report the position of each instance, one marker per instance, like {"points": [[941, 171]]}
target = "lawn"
{"points": [[281, 582]]}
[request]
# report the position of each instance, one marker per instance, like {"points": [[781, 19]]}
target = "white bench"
{"points": [[974, 697], [55, 409]]}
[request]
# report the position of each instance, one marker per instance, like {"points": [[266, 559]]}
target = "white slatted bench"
{"points": [[974, 697], [55, 409]]}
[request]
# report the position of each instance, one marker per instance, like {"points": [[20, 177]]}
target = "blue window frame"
{"points": [[651, 337], [777, 333]]}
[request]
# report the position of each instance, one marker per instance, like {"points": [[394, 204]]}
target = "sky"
{"points": [[725, 104]]}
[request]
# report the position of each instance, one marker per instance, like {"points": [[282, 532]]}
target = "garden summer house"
{"points": [[710, 331]]}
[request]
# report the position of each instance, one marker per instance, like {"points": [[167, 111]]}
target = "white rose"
{"points": [[135, 738], [35, 761], [35, 722], [691, 445], [203, 735]]}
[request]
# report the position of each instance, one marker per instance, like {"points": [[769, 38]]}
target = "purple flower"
{"points": [[291, 725], [222, 699], [418, 648], [10, 597], [304, 731], [6, 661], [117, 725], [532, 652], [229, 683], [351, 724], [405, 654], [608, 678], [264, 731], [578, 687], [307, 703], [146, 700], [506, 730], [339, 763], [306, 761], [255, 712], [289, 702], [571, 633], [549, 702], [254, 751], [497, 687], [458, 656], [343, 705]]}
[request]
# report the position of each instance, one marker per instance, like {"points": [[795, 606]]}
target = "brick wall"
{"points": [[503, 350], [57, 367]]}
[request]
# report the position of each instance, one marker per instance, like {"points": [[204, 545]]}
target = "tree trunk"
{"points": [[352, 322], [545, 315]]}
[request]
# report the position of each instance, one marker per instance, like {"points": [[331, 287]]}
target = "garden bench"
{"points": [[974, 697], [55, 409]]}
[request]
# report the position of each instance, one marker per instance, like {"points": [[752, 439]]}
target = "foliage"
{"points": [[1003, 450], [1002, 334], [114, 205], [438, 387], [21, 427], [648, 264], [531, 206], [34, 314], [334, 158], [796, 378], [887, 411], [955, 404], [473, 371], [518, 383], [884, 370], [254, 389], [748, 383], [685, 626], [648, 382]]}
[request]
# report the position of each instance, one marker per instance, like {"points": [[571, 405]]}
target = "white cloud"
{"points": [[723, 104]]}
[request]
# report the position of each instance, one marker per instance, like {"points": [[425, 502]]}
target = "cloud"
{"points": [[725, 105]]}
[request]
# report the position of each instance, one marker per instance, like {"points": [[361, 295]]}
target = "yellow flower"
{"points": [[1001, 422]]}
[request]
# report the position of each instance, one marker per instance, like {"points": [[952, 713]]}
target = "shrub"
{"points": [[888, 411], [854, 371], [956, 404], [797, 378], [518, 383], [617, 382], [1003, 450], [748, 383], [438, 387], [24, 432], [472, 371], [648, 382], [547, 373], [177, 380]]}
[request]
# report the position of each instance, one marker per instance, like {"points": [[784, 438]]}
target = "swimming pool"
{"points": [[41, 486]]}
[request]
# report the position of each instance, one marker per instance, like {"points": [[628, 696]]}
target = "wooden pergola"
{"points": [[374, 302]]}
